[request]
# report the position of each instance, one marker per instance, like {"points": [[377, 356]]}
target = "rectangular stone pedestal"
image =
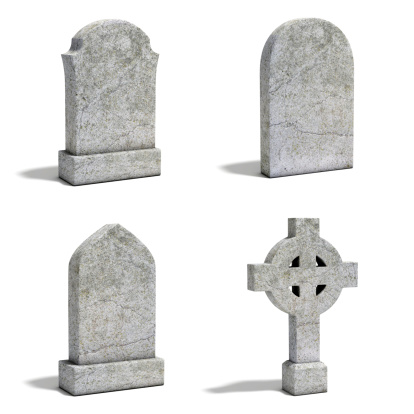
{"points": [[110, 376], [111, 166], [304, 378]]}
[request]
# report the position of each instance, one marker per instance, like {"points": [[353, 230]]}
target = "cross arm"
{"points": [[266, 277], [260, 276], [343, 275]]}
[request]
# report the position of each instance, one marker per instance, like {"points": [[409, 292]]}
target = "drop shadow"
{"points": [[44, 173], [251, 168], [47, 383], [249, 386]]}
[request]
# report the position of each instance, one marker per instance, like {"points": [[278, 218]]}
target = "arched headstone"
{"points": [[111, 315], [110, 73], [307, 92]]}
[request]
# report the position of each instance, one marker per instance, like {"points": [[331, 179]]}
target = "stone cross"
{"points": [[306, 95], [110, 74], [303, 275], [111, 316]]}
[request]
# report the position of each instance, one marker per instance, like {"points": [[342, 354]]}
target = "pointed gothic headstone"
{"points": [[303, 275], [110, 73], [111, 316], [307, 94]]}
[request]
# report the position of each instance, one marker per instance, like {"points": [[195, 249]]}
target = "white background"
{"points": [[210, 213]]}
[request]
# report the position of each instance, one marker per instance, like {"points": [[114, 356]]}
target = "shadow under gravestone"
{"points": [[249, 386], [47, 383], [251, 168], [43, 173]]}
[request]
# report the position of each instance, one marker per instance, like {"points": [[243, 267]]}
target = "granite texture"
{"points": [[306, 378], [306, 89], [112, 376], [110, 76], [303, 275], [90, 169], [110, 73], [304, 339], [111, 303], [111, 298]]}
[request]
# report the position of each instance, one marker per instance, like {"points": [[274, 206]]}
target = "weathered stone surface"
{"points": [[111, 298], [304, 339], [110, 74], [111, 306], [307, 378], [112, 166], [307, 88], [112, 376], [303, 275]]}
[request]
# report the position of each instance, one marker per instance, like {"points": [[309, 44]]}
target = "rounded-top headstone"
{"points": [[307, 78]]}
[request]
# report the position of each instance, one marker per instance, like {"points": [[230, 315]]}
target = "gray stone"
{"points": [[303, 275], [307, 90], [89, 169], [111, 313], [111, 376], [110, 73], [305, 378]]}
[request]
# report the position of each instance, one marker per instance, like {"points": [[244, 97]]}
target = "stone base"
{"points": [[112, 166], [110, 376], [304, 378]]}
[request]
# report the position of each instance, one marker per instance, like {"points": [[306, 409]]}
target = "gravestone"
{"points": [[306, 98], [110, 73], [111, 316], [303, 275]]}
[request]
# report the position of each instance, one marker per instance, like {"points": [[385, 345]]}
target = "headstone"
{"points": [[110, 74], [307, 94], [111, 316], [303, 275]]}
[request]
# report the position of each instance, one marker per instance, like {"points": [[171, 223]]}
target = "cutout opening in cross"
{"points": [[319, 289], [295, 290], [295, 262]]}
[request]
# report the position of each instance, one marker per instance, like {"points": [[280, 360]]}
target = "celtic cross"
{"points": [[303, 275]]}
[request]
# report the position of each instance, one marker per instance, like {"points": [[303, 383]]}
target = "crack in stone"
{"points": [[306, 67], [116, 345], [287, 124], [289, 81]]}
